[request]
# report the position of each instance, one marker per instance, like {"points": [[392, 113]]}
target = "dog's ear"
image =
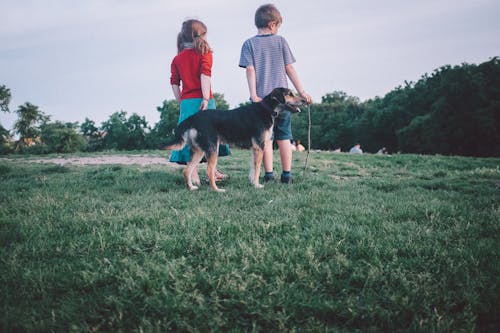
{"points": [[280, 99], [278, 94]]}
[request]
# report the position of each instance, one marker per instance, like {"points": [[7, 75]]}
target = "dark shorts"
{"points": [[283, 126]]}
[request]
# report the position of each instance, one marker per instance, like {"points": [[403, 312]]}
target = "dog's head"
{"points": [[281, 99]]}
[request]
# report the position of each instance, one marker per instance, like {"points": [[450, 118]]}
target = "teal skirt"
{"points": [[189, 107]]}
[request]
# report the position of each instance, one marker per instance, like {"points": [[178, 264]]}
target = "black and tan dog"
{"points": [[249, 124]]}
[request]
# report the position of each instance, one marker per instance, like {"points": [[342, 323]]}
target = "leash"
{"points": [[308, 136]]}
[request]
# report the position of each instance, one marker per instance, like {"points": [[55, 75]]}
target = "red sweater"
{"points": [[187, 67]]}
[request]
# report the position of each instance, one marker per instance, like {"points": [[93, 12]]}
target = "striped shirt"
{"points": [[268, 54]]}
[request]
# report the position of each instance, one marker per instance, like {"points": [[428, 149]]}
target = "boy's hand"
{"points": [[306, 96]]}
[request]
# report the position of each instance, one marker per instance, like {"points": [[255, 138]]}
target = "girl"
{"points": [[193, 67]]}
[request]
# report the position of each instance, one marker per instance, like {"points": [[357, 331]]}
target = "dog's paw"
{"points": [[254, 184], [220, 190], [193, 188]]}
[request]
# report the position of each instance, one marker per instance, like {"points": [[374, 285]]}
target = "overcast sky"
{"points": [[89, 59]]}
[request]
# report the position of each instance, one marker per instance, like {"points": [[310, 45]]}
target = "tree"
{"points": [[163, 130], [467, 114], [92, 135], [4, 140], [220, 102], [137, 131], [453, 111], [115, 131], [5, 97], [339, 97], [122, 133], [60, 137], [88, 128], [333, 122], [30, 117], [417, 136]]}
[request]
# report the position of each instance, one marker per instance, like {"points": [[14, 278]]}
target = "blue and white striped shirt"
{"points": [[268, 54]]}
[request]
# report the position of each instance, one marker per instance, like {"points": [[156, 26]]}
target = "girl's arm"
{"points": [[177, 92], [206, 78], [294, 77], [206, 82]]}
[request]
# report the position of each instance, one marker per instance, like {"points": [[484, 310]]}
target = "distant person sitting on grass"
{"points": [[382, 151], [299, 146], [356, 149]]}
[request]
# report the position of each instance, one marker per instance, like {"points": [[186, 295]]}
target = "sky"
{"points": [[89, 59]]}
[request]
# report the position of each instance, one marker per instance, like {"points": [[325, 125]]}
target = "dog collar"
{"points": [[267, 106], [269, 109]]}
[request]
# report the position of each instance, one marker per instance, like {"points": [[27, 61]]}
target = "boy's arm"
{"points": [[294, 77], [252, 85]]}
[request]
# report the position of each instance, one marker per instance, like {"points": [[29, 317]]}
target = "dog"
{"points": [[249, 124]]}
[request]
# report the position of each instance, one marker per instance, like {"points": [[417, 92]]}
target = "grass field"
{"points": [[358, 243]]}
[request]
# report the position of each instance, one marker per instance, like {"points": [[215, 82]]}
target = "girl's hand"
{"points": [[255, 99], [204, 105]]}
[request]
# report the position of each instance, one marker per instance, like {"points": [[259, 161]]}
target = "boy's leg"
{"points": [[283, 135], [286, 160], [285, 154]]}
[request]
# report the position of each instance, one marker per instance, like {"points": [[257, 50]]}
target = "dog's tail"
{"points": [[180, 137], [175, 144]]}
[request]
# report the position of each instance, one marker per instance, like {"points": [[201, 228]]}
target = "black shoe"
{"points": [[268, 178], [286, 179]]}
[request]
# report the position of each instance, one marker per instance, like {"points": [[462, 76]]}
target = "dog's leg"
{"points": [[252, 166], [196, 156], [211, 167], [257, 154]]}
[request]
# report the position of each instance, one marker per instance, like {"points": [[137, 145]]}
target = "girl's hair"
{"points": [[193, 31], [266, 14]]}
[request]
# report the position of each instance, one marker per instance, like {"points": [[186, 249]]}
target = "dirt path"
{"points": [[104, 159]]}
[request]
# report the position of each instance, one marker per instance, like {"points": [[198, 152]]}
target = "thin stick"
{"points": [[308, 136]]}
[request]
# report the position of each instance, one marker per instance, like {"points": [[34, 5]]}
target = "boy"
{"points": [[268, 61]]}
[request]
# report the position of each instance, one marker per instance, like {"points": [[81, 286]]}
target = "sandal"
{"points": [[219, 176]]}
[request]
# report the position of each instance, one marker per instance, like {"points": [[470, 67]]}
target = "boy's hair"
{"points": [[266, 14], [193, 31]]}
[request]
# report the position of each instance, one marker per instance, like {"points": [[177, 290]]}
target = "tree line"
{"points": [[453, 111], [38, 134]]}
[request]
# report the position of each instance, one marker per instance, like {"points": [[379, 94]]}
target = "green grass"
{"points": [[358, 243]]}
